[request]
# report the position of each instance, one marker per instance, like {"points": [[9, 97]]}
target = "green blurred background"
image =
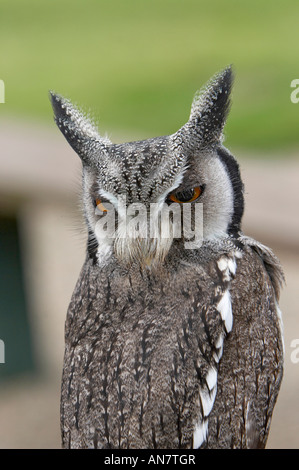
{"points": [[136, 64]]}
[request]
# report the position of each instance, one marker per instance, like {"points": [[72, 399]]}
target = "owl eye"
{"points": [[187, 195], [100, 205]]}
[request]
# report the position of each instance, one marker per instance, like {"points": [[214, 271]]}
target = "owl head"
{"points": [[143, 198]]}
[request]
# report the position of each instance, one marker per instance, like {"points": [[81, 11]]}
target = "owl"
{"points": [[173, 336]]}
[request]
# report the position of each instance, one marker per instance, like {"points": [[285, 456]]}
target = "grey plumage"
{"points": [[168, 347]]}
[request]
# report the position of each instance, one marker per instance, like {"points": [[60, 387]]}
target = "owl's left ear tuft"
{"points": [[210, 108], [78, 129]]}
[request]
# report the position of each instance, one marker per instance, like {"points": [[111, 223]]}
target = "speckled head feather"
{"points": [[204, 128], [148, 171]]}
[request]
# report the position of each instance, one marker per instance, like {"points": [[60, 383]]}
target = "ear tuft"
{"points": [[210, 108], [78, 130]]}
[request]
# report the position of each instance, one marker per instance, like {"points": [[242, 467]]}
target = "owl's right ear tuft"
{"points": [[209, 110], [58, 105], [79, 131]]}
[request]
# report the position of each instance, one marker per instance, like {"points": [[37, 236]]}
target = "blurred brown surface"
{"points": [[39, 181]]}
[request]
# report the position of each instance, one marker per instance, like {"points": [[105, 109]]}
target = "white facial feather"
{"points": [[218, 198]]}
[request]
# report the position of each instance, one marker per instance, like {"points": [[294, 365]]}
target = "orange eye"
{"points": [[187, 195], [101, 206]]}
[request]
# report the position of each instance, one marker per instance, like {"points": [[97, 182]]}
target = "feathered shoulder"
{"points": [[270, 261]]}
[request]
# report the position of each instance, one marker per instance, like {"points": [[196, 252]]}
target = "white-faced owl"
{"points": [[173, 336]]}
